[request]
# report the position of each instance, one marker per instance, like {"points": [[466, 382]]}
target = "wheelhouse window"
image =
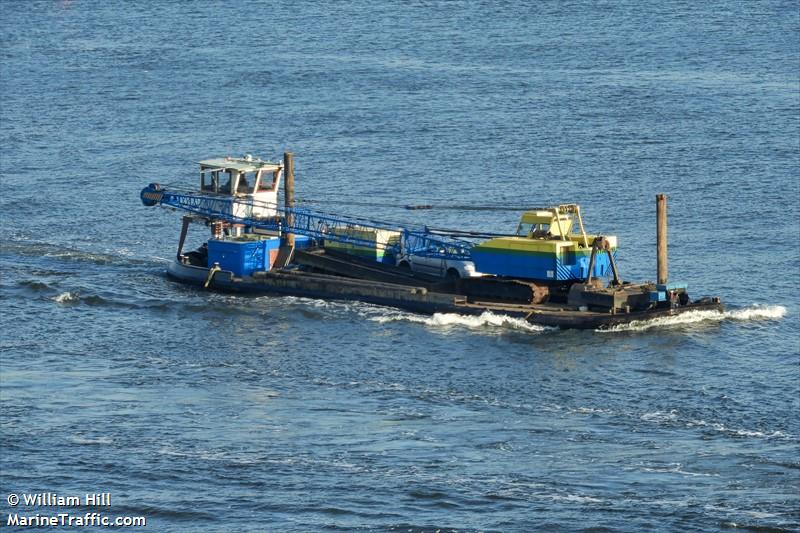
{"points": [[208, 181], [247, 181], [267, 182], [524, 229], [226, 180], [527, 229]]}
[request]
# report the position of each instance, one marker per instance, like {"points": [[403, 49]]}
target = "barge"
{"points": [[549, 272]]}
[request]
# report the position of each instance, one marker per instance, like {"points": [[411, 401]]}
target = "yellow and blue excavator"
{"points": [[548, 246]]}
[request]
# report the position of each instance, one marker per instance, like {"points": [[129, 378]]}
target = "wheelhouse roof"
{"points": [[542, 216], [239, 164]]}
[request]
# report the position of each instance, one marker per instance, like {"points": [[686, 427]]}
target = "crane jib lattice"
{"points": [[416, 240]]}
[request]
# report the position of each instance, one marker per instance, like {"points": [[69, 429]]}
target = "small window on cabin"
{"points": [[525, 229], [246, 183], [207, 181], [533, 230], [267, 182], [225, 182]]}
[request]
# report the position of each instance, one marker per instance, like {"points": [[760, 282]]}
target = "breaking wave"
{"points": [[72, 297], [757, 312], [449, 320], [384, 315], [722, 428], [67, 297], [754, 312], [674, 418]]}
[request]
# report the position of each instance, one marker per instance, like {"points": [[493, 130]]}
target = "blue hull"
{"points": [[539, 266]]}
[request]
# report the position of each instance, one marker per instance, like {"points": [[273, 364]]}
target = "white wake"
{"points": [[451, 320], [750, 313]]}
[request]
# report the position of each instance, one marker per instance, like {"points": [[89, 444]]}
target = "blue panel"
{"points": [[537, 266], [301, 242], [672, 286], [241, 257], [515, 265], [658, 296], [272, 244]]}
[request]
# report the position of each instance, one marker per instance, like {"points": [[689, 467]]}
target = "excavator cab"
{"points": [[544, 224]]}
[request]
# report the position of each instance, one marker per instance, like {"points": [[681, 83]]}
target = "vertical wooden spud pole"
{"points": [[288, 196], [661, 237]]}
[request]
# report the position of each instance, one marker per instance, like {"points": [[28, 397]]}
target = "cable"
{"points": [[414, 207]]}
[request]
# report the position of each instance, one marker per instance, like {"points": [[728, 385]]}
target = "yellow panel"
{"points": [[524, 244], [548, 217], [381, 238], [537, 217]]}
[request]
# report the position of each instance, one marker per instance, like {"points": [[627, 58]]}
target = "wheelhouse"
{"points": [[253, 184]]}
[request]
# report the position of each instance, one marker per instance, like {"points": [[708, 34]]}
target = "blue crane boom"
{"points": [[416, 240]]}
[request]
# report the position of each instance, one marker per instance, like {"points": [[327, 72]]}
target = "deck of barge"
{"points": [[394, 287]]}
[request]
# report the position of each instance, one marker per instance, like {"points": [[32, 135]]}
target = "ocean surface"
{"points": [[211, 412]]}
